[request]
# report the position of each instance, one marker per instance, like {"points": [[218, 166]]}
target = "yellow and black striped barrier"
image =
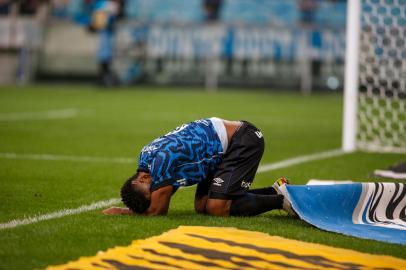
{"points": [[189, 247]]}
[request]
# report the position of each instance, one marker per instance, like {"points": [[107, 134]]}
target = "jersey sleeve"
{"points": [[162, 170]]}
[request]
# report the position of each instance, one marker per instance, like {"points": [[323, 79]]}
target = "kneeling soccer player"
{"points": [[220, 156]]}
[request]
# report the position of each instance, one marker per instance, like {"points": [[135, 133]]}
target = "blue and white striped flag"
{"points": [[367, 210]]}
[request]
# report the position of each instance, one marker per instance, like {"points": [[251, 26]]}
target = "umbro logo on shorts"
{"points": [[259, 134], [217, 181]]}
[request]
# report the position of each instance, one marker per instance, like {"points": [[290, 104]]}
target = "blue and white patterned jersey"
{"points": [[183, 157]]}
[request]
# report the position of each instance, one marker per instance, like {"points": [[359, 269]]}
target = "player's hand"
{"points": [[117, 211]]}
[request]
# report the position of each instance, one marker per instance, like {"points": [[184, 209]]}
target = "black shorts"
{"points": [[236, 172]]}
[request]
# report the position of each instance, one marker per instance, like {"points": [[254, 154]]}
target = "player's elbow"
{"points": [[200, 205], [156, 214], [200, 209], [152, 211]]}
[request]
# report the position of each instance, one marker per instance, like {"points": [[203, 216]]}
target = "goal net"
{"points": [[375, 90]]}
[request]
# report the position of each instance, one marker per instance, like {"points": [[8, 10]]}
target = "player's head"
{"points": [[135, 192]]}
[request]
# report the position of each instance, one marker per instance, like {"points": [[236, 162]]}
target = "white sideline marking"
{"points": [[66, 212], [66, 158], [44, 115], [301, 159], [262, 168]]}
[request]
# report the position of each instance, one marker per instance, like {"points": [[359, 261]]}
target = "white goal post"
{"points": [[374, 114]]}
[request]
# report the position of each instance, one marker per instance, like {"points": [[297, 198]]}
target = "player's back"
{"points": [[190, 152]]}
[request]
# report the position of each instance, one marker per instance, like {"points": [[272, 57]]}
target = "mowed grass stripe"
{"points": [[125, 160], [40, 115], [51, 157], [106, 203]]}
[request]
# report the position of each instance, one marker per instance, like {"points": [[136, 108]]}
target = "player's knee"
{"points": [[200, 204], [200, 207], [217, 207]]}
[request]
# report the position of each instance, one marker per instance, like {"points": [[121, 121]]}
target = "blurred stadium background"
{"points": [[296, 44]]}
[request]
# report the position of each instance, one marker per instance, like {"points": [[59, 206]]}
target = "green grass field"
{"points": [[118, 123]]}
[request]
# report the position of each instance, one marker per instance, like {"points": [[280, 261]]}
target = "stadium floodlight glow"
{"points": [[374, 115]]}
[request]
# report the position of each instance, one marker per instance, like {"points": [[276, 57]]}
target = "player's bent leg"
{"points": [[245, 205], [255, 204], [201, 195], [200, 204], [263, 191], [228, 191], [218, 207]]}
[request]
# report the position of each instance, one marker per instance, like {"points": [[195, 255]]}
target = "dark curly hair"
{"points": [[133, 198]]}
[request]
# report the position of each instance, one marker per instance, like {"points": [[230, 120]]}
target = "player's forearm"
{"points": [[118, 211], [160, 199], [156, 211]]}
